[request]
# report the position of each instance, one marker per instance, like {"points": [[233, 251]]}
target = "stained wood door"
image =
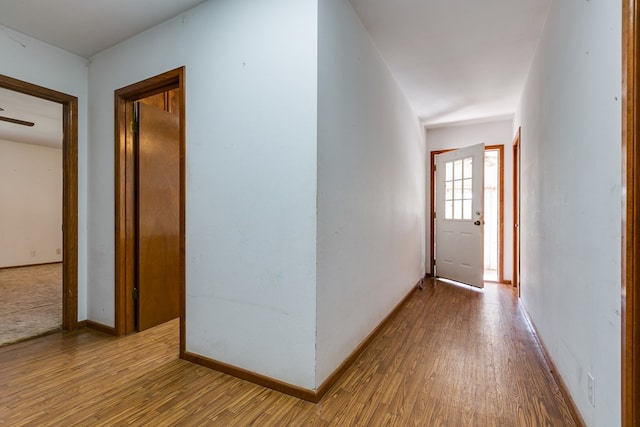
{"points": [[158, 216], [459, 215]]}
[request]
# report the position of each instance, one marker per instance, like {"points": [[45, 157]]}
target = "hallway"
{"points": [[453, 356]]}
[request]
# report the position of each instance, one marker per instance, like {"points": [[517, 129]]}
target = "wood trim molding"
{"points": [[69, 192], [630, 215], [331, 380], [264, 381], [500, 149], [125, 195], [100, 327], [309, 395], [573, 408], [516, 210]]}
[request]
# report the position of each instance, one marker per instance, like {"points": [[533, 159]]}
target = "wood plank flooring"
{"points": [[452, 356]]}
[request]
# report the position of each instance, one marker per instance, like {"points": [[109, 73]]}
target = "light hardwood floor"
{"points": [[451, 357]]}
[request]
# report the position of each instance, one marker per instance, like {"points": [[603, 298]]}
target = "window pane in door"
{"points": [[457, 190], [448, 209], [457, 169], [468, 167], [448, 190], [467, 190], [448, 171], [457, 209]]}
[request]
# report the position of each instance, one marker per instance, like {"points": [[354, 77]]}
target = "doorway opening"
{"points": [[493, 207], [493, 201], [150, 203], [69, 249]]}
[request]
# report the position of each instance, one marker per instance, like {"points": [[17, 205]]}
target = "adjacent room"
{"points": [[31, 217]]}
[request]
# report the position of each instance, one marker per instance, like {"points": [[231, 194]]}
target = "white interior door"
{"points": [[459, 251]]}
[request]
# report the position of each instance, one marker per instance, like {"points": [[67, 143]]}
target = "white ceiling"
{"points": [[46, 116], [86, 27], [455, 60]]}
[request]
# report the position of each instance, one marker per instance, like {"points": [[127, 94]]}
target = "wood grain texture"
{"points": [[516, 210], [158, 215], [556, 374], [452, 356], [302, 393], [125, 191], [69, 191], [630, 215]]}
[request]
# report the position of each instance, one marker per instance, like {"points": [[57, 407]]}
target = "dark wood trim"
{"points": [[573, 408], [264, 381], [432, 204], [630, 216], [101, 328], [329, 382], [500, 149], [516, 210], [125, 195], [300, 392], [69, 192]]}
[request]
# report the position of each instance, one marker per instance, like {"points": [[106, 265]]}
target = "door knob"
{"points": [[477, 222]]}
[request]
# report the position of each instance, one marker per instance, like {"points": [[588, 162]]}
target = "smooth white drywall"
{"points": [[33, 61], [498, 132], [31, 194], [370, 188], [570, 115], [251, 112]]}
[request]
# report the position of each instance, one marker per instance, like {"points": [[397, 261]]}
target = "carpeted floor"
{"points": [[31, 303]]}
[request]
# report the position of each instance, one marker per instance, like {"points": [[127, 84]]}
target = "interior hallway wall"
{"points": [[570, 115], [42, 64], [499, 132], [251, 113], [370, 188], [31, 214]]}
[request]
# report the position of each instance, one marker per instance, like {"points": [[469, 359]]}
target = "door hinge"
{"points": [[134, 294], [134, 127], [434, 215]]}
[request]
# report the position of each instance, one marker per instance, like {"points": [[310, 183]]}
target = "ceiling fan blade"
{"points": [[16, 121]]}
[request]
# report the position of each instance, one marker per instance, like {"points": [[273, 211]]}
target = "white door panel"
{"points": [[459, 195]]}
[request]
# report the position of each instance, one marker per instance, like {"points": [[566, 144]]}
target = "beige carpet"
{"points": [[31, 303]]}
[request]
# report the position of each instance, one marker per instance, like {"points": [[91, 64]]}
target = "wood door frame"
{"points": [[125, 233], [516, 210], [432, 202], [630, 214], [69, 192]]}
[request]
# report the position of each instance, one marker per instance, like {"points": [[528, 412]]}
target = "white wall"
{"points": [[370, 188], [31, 194], [251, 94], [42, 64], [570, 115], [498, 132]]}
